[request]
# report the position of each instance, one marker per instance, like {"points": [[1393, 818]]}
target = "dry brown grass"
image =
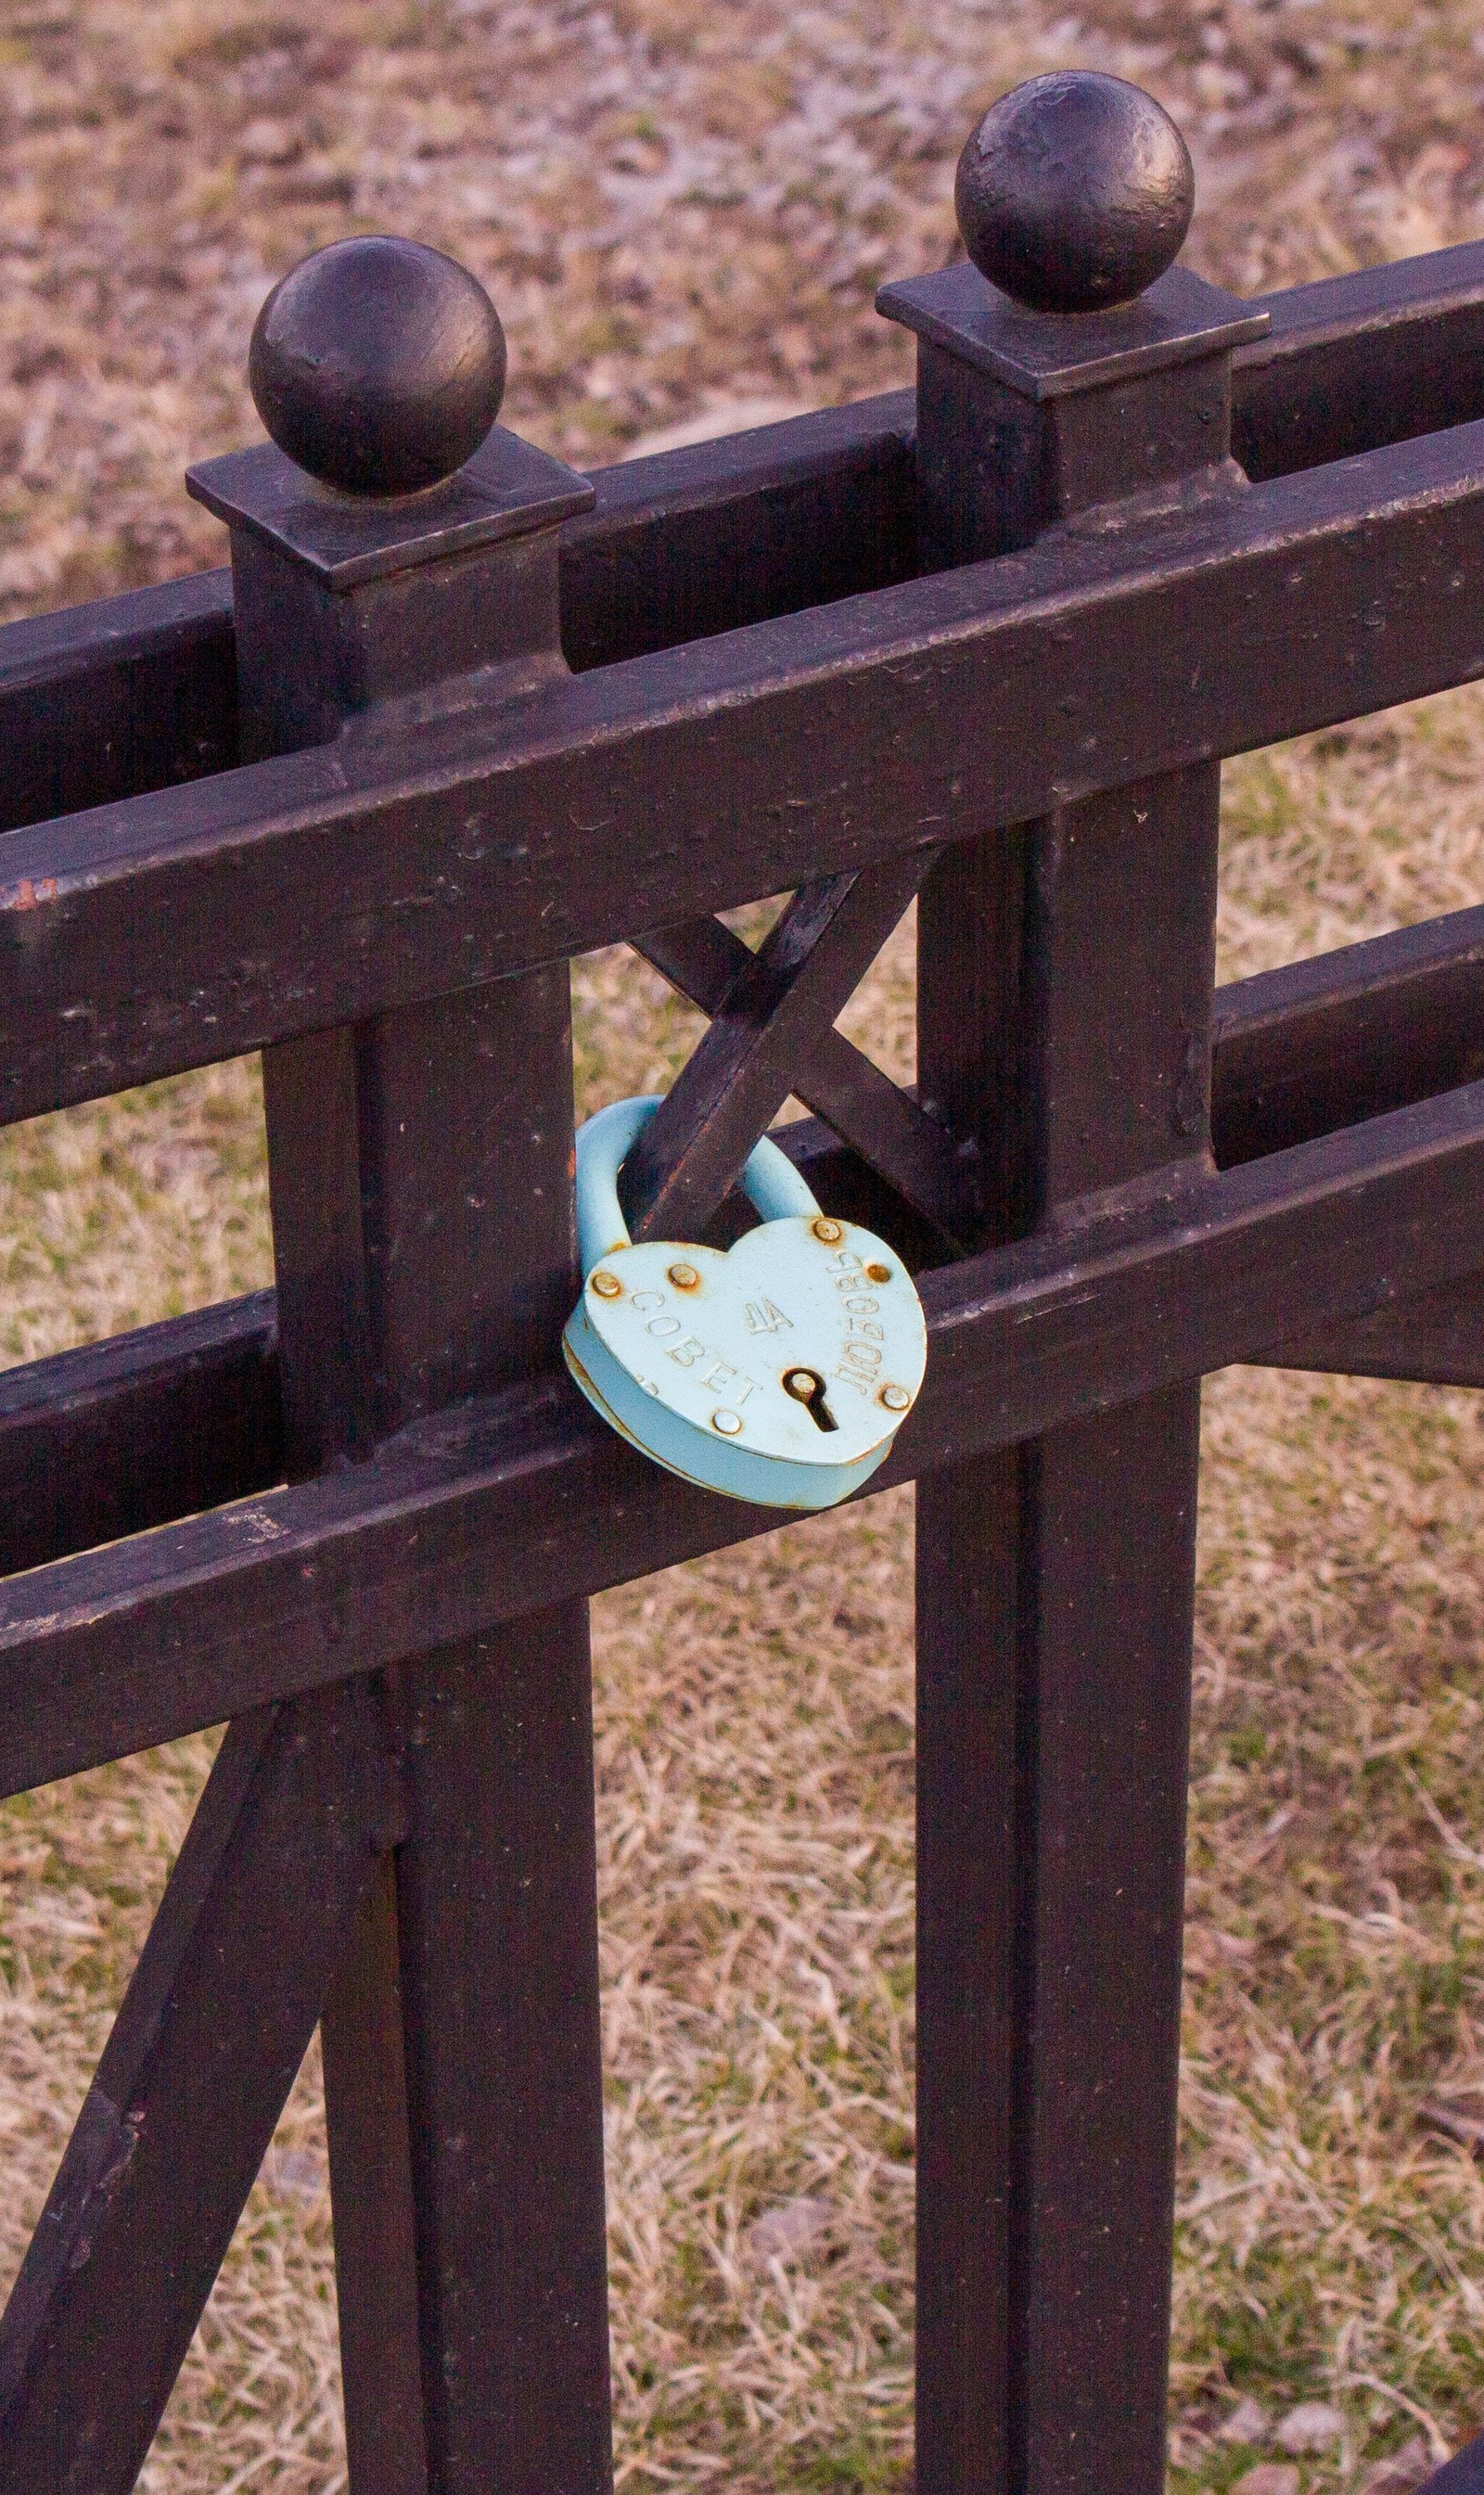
{"points": [[673, 202], [644, 185]]}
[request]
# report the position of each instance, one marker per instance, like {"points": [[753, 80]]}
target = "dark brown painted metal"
{"points": [[378, 366], [152, 1425], [498, 1905], [1057, 416], [312, 1098], [1379, 355], [462, 2042], [1323, 1042], [1074, 193], [497, 1896], [1053, 1677], [205, 2048], [970, 944], [697, 541], [371, 2189], [1463, 2475], [148, 1426], [107, 700], [129, 1433], [740, 1074], [1053, 1651], [1434, 1337], [754, 761], [1208, 1280], [469, 1517], [130, 693], [703, 961], [421, 1178]]}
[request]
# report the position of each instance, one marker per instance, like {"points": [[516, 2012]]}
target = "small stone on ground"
{"points": [[1269, 2478], [1249, 2422], [793, 2228], [1309, 2426]]}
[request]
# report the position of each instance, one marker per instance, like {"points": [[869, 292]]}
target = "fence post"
{"points": [[420, 1176], [1066, 977]]}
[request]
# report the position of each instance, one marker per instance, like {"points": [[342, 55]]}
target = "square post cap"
{"points": [[378, 367], [1074, 196]]}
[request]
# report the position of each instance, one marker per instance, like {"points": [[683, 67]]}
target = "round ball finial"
{"points": [[1074, 193], [378, 366]]}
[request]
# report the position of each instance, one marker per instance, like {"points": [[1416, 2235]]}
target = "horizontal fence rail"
{"points": [[131, 693], [1366, 575], [931, 711], [103, 1441], [470, 1517]]}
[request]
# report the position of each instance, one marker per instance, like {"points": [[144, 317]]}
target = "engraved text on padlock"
{"points": [[777, 1371]]}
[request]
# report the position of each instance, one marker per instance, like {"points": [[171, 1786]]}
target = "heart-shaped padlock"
{"points": [[777, 1372]]}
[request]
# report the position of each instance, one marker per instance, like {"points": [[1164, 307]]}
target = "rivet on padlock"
{"points": [[778, 1372]]}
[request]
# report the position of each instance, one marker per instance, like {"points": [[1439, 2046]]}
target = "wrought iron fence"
{"points": [[455, 715]]}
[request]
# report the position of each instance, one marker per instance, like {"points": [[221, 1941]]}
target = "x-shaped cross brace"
{"points": [[772, 1032]]}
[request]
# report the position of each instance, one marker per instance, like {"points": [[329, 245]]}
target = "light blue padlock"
{"points": [[778, 1372]]}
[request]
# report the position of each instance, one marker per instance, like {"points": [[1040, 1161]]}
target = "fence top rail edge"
{"points": [[1360, 300]]}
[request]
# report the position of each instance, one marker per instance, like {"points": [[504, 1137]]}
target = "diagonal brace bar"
{"points": [[743, 1070], [893, 1135], [304, 1799]]}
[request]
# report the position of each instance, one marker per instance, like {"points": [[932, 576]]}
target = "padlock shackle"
{"points": [[770, 1181]]}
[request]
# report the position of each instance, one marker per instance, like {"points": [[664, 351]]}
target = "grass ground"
{"points": [[677, 205]]}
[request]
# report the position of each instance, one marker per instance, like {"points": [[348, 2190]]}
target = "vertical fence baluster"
{"points": [[312, 1109], [968, 1526], [1066, 986], [497, 1878], [420, 1172], [371, 2193], [1104, 1588]]}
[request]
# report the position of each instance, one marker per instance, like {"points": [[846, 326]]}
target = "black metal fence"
{"points": [[357, 803]]}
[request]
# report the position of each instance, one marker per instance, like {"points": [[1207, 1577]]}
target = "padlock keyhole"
{"points": [[807, 1387]]}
